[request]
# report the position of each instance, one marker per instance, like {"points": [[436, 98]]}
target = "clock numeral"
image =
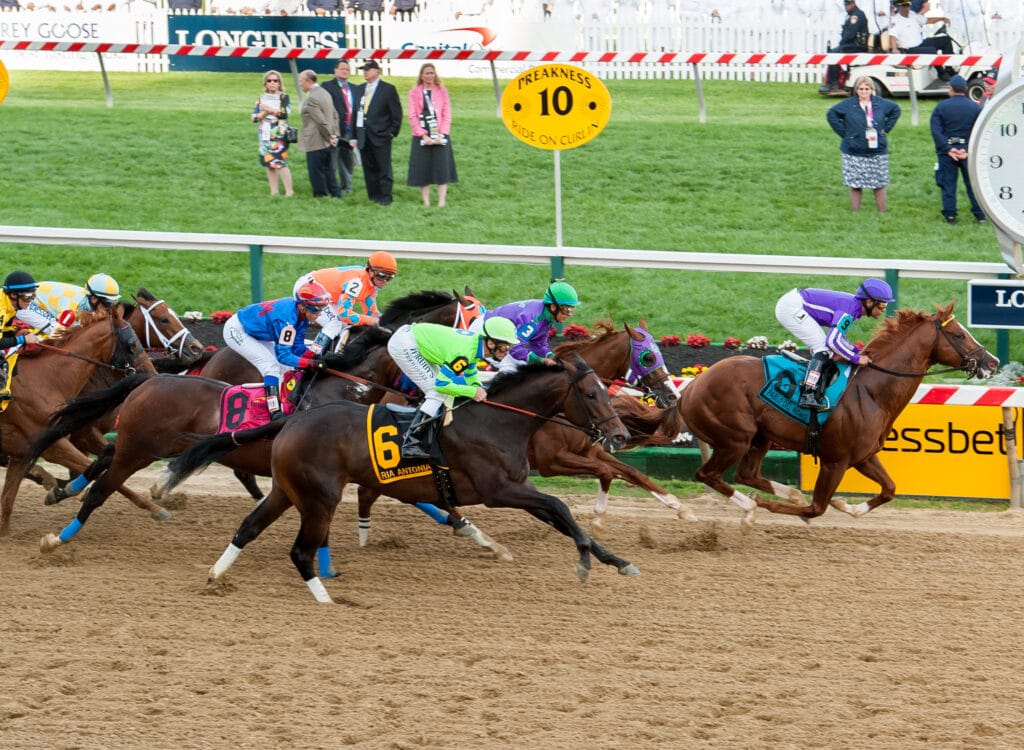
{"points": [[1009, 129], [1006, 193], [995, 161]]}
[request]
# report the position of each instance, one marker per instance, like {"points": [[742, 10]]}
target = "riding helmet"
{"points": [[382, 261], [875, 289], [500, 329], [561, 293], [18, 281], [102, 286], [313, 295]]}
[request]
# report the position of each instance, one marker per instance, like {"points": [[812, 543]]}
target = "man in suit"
{"points": [[318, 136], [346, 98], [378, 121]]}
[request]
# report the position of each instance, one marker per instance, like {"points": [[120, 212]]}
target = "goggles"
{"points": [[382, 275]]}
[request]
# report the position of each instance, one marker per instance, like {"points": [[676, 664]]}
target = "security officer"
{"points": [[853, 38], [952, 122]]}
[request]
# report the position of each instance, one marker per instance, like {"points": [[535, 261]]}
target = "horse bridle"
{"points": [[641, 381], [969, 362], [127, 349], [593, 429], [165, 342]]}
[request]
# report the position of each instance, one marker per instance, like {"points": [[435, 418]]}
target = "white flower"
{"points": [[757, 342], [192, 316], [788, 346]]}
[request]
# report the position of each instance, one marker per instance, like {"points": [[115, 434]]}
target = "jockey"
{"points": [[534, 320], [56, 304], [352, 289], [441, 360], [19, 291], [803, 312], [271, 336]]}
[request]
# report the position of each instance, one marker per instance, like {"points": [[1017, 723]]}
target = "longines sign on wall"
{"points": [[254, 31], [995, 304]]}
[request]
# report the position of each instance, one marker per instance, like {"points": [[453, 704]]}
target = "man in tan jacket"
{"points": [[318, 136]]}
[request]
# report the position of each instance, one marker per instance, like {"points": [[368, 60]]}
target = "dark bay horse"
{"points": [[51, 376], [722, 408], [629, 354], [317, 452], [426, 306]]}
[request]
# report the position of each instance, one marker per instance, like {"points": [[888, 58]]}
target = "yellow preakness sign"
{"points": [[555, 107], [939, 451]]}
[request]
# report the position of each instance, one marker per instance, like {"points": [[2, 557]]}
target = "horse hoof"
{"points": [[54, 496], [162, 515], [747, 522], [332, 573], [501, 553], [687, 515], [597, 526], [582, 572], [629, 570], [49, 543]]}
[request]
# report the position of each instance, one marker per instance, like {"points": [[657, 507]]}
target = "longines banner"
{"points": [[939, 451], [313, 32]]}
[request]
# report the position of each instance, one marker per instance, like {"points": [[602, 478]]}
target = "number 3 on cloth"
{"points": [[287, 337]]}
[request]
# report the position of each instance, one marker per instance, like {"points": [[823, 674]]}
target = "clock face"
{"points": [[996, 160]]}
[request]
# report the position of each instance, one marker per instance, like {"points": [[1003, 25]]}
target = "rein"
{"points": [[967, 361], [85, 358], [364, 381]]}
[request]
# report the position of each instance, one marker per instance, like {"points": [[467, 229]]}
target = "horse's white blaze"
{"points": [[316, 586], [49, 542], [787, 492], [226, 560]]}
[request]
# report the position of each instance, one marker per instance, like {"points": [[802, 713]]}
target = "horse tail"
{"points": [[648, 425], [83, 411], [208, 449]]}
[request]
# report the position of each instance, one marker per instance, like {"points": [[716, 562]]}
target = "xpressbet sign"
{"points": [[995, 304]]}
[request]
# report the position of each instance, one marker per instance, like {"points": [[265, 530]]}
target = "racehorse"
{"points": [[162, 416], [53, 375], [426, 306], [317, 452], [559, 450], [722, 408]]}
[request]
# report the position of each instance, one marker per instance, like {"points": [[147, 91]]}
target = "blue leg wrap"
{"points": [[434, 512], [323, 561], [70, 530], [76, 485]]}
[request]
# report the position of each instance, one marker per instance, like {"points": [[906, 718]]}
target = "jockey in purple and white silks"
{"points": [[821, 318]]}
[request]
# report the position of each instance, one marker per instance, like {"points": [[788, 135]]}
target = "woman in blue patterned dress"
{"points": [[271, 117]]}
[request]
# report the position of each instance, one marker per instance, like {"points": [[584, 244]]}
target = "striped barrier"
{"points": [[330, 53]]}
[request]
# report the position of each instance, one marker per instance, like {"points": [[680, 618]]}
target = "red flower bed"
{"points": [[732, 343], [670, 341], [697, 340], [221, 316], [576, 332]]}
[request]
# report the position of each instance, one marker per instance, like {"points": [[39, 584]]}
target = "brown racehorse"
{"points": [[49, 377], [630, 354], [427, 306], [317, 452], [722, 408]]}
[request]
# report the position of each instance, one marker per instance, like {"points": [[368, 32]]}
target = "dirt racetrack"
{"points": [[899, 630]]}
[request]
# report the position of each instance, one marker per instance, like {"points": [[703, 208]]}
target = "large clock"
{"points": [[995, 160]]}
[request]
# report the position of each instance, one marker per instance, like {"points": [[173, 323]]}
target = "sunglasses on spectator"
{"points": [[383, 275], [273, 80]]}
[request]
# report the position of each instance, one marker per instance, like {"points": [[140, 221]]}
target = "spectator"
{"points": [[319, 136], [403, 10], [185, 4], [853, 38], [378, 122], [906, 35], [431, 161], [323, 7], [952, 122], [364, 7], [989, 80], [346, 98], [863, 123], [271, 117]]}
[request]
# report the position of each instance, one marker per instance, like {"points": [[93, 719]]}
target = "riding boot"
{"points": [[414, 444], [273, 402], [812, 390], [4, 393]]}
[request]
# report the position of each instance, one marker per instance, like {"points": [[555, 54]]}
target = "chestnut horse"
{"points": [[317, 452], [722, 408], [52, 375]]}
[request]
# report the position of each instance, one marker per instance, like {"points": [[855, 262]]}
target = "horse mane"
{"points": [[893, 331], [412, 305], [361, 341], [603, 328], [65, 336], [505, 381]]}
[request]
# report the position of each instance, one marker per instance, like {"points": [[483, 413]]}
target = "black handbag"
{"points": [[291, 134]]}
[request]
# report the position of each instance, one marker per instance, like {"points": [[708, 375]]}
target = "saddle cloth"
{"points": [[245, 406], [8, 376], [385, 427], [781, 391]]}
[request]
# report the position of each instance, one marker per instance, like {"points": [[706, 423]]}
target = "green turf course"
{"points": [[177, 153]]}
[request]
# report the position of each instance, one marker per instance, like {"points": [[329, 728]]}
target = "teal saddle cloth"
{"points": [[781, 391]]}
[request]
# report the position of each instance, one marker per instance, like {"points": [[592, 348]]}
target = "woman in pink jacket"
{"points": [[431, 161]]}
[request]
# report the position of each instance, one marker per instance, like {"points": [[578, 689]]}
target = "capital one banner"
{"points": [[312, 32]]}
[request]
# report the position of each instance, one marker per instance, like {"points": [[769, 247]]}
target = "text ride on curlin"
{"points": [[565, 140]]}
